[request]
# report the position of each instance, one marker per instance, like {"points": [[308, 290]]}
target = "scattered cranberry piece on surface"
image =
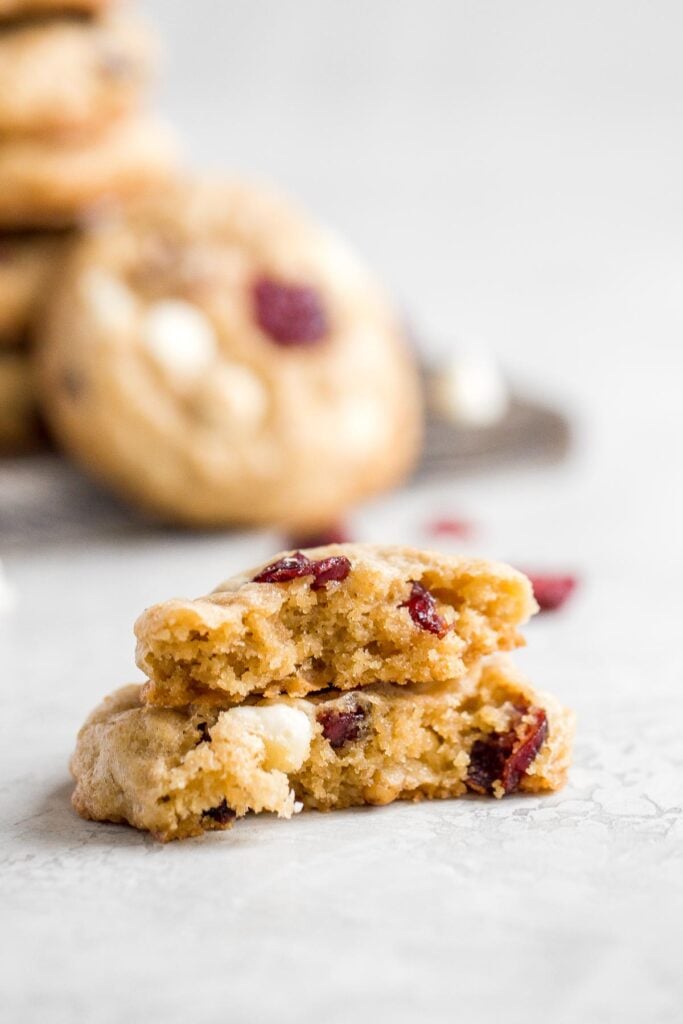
{"points": [[422, 608], [290, 314], [221, 814], [451, 527], [551, 590], [291, 567], [288, 568], [334, 534], [505, 757], [340, 727], [336, 568]]}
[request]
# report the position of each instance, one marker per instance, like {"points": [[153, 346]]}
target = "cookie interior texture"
{"points": [[180, 773], [262, 637]]}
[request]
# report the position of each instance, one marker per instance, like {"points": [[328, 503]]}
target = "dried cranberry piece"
{"points": [[530, 739], [452, 527], [221, 814], [290, 314], [422, 608], [340, 727], [288, 568], [336, 568], [505, 757], [487, 762], [551, 590], [291, 567]]}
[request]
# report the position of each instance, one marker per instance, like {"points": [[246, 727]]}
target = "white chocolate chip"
{"points": [[110, 300], [179, 337], [235, 396], [471, 390], [286, 733]]}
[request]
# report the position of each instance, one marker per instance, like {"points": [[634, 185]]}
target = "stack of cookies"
{"points": [[71, 137], [329, 678]]}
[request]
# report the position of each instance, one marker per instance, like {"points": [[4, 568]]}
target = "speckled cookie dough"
{"points": [[70, 74], [346, 615], [184, 772], [27, 264], [215, 357], [46, 182], [19, 427]]}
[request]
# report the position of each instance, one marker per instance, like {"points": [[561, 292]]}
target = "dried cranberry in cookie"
{"points": [[143, 764], [335, 616], [242, 366], [422, 608], [289, 314]]}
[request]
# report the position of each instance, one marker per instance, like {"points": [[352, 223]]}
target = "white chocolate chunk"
{"points": [[471, 390], [112, 303], [286, 733], [235, 396], [179, 337]]}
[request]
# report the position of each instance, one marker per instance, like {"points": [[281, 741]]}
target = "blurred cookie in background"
{"points": [[27, 263], [31, 8], [19, 423], [216, 357], [48, 182], [71, 74]]}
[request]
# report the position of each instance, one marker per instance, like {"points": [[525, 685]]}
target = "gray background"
{"points": [[512, 169]]}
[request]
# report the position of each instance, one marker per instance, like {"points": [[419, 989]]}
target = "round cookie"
{"points": [[70, 74], [49, 182], [19, 427], [30, 8], [217, 358], [27, 262]]}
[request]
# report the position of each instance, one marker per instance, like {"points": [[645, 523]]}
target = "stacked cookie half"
{"points": [[329, 678], [71, 136]]}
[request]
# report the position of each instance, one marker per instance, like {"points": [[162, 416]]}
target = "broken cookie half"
{"points": [[345, 615], [182, 772]]}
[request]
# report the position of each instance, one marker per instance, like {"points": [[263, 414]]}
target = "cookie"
{"points": [[179, 773], [216, 358], [27, 264], [19, 425], [49, 182], [24, 9], [346, 615], [70, 74], [31, 8]]}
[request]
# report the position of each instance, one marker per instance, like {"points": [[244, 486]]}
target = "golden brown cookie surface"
{"points": [[49, 182], [216, 357], [70, 75]]}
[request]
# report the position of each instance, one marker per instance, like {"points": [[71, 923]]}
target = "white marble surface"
{"points": [[546, 215]]}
